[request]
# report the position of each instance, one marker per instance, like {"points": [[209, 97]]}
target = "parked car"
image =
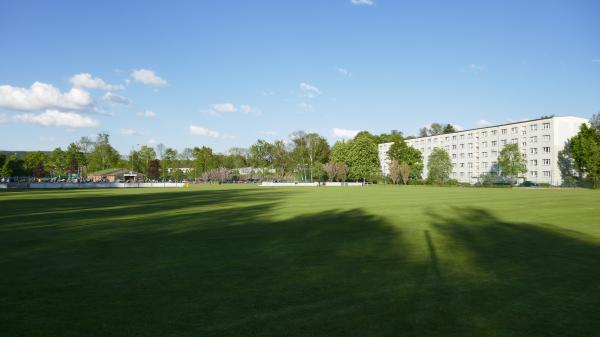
{"points": [[528, 183]]}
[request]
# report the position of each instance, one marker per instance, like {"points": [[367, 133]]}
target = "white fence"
{"points": [[276, 184], [3, 186], [103, 185]]}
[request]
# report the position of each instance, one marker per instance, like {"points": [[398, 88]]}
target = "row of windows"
{"points": [[514, 130], [545, 174]]}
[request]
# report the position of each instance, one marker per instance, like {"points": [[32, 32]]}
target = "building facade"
{"points": [[475, 152]]}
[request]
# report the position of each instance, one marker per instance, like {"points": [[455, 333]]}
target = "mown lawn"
{"points": [[249, 261]]}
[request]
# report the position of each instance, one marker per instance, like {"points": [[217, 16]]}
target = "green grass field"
{"points": [[249, 261]]}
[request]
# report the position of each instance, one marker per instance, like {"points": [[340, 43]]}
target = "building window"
{"points": [[533, 139], [546, 126], [515, 140], [484, 154], [494, 153], [546, 149], [546, 162], [470, 155], [533, 162], [453, 147], [503, 141], [462, 137], [494, 132], [546, 138], [533, 173], [462, 164], [484, 144], [470, 165], [454, 156], [547, 174], [503, 131], [462, 155], [462, 146], [494, 142], [533, 150], [533, 127], [484, 134], [484, 165], [454, 138], [514, 130]]}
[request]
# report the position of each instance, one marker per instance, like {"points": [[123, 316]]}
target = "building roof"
{"points": [[493, 126]]}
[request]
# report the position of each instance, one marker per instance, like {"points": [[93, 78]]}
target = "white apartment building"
{"points": [[475, 152]]}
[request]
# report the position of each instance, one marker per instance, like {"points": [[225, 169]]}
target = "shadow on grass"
{"points": [[216, 263]]}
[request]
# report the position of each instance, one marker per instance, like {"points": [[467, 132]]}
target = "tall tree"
{"points": [[35, 163], [203, 160], [170, 158], [103, 155], [331, 170], [341, 171], [260, 156], [512, 162], [75, 158], [58, 164], [403, 153], [280, 157], [585, 147], [449, 128], [439, 166], [340, 152], [363, 159], [154, 169], [146, 154], [394, 172], [12, 167], [404, 172]]}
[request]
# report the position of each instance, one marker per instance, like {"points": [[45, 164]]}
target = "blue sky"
{"points": [[225, 73]]}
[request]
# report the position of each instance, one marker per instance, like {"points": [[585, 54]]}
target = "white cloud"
{"points": [[475, 68], [246, 109], [87, 81], [309, 90], [363, 2], [344, 133], [221, 108], [147, 77], [306, 107], [151, 142], [344, 72], [43, 96], [483, 123], [109, 96], [58, 118], [130, 132], [147, 114], [202, 131], [224, 108]]}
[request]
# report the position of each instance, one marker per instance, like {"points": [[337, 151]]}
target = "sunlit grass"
{"points": [[224, 260]]}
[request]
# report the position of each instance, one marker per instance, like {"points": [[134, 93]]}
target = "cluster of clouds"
{"points": [[44, 104], [363, 2], [219, 109]]}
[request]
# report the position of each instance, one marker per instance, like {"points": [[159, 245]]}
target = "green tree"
{"points": [[512, 162], [75, 158], [281, 158], [170, 158], [393, 136], [203, 160], [363, 159], [403, 153], [260, 156], [566, 164], [12, 167], [102, 155], [340, 152], [146, 154], [585, 147], [58, 163], [439, 166], [449, 128], [35, 163]]}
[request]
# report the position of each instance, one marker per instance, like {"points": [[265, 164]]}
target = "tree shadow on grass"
{"points": [[225, 267], [526, 279]]}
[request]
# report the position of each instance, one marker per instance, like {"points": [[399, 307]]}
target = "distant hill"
{"points": [[20, 154]]}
